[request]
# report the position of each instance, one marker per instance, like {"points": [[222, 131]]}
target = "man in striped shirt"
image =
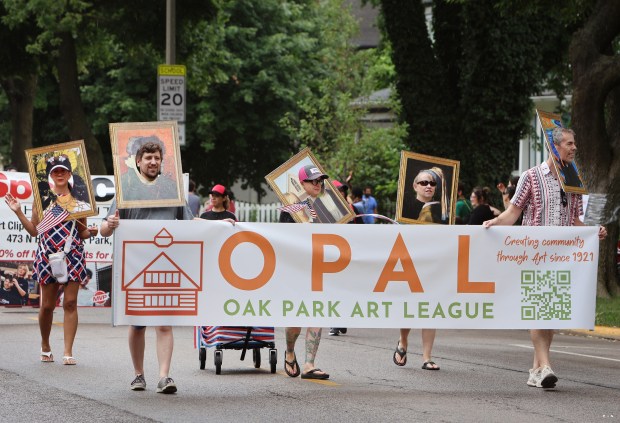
{"points": [[539, 196]]}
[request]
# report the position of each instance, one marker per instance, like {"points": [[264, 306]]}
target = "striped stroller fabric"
{"points": [[211, 336]]}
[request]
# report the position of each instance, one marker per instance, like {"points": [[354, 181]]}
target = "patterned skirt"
{"points": [[53, 241]]}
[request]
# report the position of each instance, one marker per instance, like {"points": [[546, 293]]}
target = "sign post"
{"points": [[171, 96]]}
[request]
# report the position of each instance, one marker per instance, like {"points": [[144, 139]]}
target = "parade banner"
{"points": [[368, 276]]}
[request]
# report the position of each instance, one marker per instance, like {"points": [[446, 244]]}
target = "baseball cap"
{"points": [[56, 162], [218, 189], [310, 173], [337, 184]]}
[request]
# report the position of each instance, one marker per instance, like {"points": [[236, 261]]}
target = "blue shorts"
{"points": [[138, 327]]}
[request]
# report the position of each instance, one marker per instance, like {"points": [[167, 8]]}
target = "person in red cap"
{"points": [[219, 205]]}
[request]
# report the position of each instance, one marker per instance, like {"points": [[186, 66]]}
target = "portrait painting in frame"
{"points": [[569, 175], [136, 145], [427, 189], [69, 156], [302, 183]]}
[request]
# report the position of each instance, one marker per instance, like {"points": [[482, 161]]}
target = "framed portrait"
{"points": [[427, 189], [569, 175], [302, 184], [147, 164], [76, 194]]}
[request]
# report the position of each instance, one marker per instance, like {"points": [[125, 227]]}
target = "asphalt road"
{"points": [[482, 378]]}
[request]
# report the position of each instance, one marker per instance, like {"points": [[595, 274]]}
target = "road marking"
{"points": [[569, 353], [583, 348], [319, 381], [322, 382]]}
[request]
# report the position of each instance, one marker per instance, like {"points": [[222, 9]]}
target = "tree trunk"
{"points": [[596, 94], [71, 104], [20, 91]]}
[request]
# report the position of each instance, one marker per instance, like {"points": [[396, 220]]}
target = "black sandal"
{"points": [[430, 365], [402, 353], [293, 365], [313, 374]]}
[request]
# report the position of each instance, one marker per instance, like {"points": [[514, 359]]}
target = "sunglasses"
{"points": [[425, 183], [315, 181], [564, 199]]}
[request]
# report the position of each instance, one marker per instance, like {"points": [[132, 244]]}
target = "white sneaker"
{"points": [[533, 379], [547, 378]]}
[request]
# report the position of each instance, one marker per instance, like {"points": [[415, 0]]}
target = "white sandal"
{"points": [[67, 360], [47, 357]]}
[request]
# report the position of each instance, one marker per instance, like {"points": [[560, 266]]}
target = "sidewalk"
{"points": [[599, 332]]}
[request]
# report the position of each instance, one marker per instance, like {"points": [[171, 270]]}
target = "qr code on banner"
{"points": [[545, 295]]}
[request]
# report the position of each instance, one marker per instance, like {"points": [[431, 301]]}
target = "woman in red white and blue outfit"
{"points": [[55, 228]]}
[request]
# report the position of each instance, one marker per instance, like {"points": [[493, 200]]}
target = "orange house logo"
{"points": [[162, 277]]}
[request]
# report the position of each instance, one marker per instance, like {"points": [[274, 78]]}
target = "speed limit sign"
{"points": [[171, 96]]}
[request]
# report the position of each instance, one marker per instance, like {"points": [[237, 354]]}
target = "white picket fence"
{"points": [[251, 212]]}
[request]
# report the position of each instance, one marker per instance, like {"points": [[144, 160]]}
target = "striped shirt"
{"points": [[538, 194]]}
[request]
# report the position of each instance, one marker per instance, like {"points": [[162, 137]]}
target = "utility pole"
{"points": [[170, 32]]}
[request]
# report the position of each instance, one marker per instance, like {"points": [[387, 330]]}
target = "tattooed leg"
{"points": [[291, 335], [313, 338]]}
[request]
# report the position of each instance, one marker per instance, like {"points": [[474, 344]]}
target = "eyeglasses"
{"points": [[315, 181], [425, 183]]}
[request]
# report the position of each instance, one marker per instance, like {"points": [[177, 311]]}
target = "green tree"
{"points": [[267, 54], [595, 63], [56, 25], [18, 78], [331, 124], [492, 57]]}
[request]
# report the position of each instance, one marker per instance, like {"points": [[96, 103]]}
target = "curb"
{"points": [[604, 332]]}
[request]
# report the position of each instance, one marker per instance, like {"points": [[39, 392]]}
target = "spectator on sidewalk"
{"points": [[482, 209], [370, 205], [193, 200], [463, 207], [11, 293]]}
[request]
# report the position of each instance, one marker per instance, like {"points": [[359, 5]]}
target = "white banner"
{"points": [[371, 276]]}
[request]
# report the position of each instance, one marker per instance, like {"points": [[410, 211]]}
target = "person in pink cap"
{"points": [[313, 182], [326, 208]]}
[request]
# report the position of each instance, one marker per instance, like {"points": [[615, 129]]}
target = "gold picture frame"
{"points": [[329, 205], [134, 191], [568, 173], [441, 209], [72, 156]]}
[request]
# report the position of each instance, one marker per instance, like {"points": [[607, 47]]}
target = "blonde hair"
{"points": [[437, 174]]}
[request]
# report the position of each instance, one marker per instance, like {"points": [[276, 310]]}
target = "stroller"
{"points": [[236, 338]]}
